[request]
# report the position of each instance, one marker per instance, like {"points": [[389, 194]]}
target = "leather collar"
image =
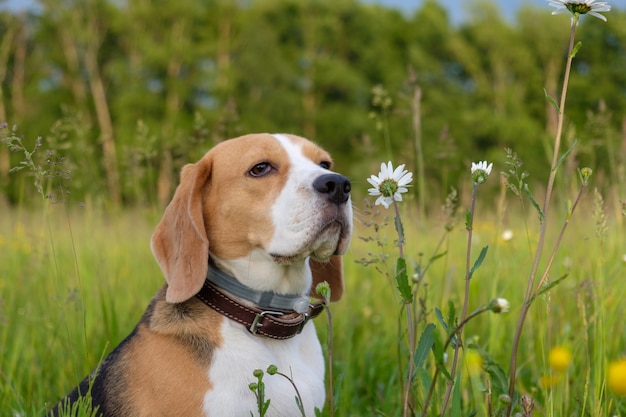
{"points": [[267, 300], [274, 323]]}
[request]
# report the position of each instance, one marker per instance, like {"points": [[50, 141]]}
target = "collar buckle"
{"points": [[257, 322]]}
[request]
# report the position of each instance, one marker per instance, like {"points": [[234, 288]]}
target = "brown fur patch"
{"points": [[171, 350], [191, 323], [330, 272], [160, 370]]}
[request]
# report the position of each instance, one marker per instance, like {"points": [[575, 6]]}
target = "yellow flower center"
{"points": [[388, 187], [580, 8]]}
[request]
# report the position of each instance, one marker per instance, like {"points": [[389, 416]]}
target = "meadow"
{"points": [[505, 302], [74, 282]]}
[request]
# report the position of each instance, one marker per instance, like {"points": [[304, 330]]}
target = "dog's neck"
{"points": [[266, 300], [259, 272]]}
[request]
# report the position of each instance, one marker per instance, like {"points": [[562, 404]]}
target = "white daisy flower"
{"points": [[480, 171], [389, 184], [580, 7]]}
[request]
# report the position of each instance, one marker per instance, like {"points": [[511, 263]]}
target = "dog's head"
{"points": [[268, 202]]}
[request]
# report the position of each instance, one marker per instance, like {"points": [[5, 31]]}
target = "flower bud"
{"points": [[499, 305]]}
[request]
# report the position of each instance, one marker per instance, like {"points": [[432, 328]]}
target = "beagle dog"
{"points": [[253, 226]]}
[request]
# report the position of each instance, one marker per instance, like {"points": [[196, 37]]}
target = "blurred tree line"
{"points": [[125, 92]]}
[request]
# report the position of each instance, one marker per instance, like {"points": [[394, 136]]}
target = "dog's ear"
{"points": [[331, 272], [179, 243]]}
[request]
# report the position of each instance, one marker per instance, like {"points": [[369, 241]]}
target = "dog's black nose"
{"points": [[336, 187]]}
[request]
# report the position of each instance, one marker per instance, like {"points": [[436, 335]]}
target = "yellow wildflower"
{"points": [[559, 358], [616, 377], [474, 362]]}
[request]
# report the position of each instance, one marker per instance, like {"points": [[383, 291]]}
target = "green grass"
{"points": [[73, 285]]}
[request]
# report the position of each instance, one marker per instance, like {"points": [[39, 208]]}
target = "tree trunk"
{"points": [[309, 103], [103, 116], [165, 181], [73, 64], [416, 112], [223, 59], [19, 66], [5, 51]]}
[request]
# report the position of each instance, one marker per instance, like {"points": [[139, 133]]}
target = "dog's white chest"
{"points": [[233, 364]]}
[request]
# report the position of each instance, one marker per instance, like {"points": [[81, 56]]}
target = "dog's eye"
{"points": [[325, 164], [260, 169]]}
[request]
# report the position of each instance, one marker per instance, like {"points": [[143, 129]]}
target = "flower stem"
{"points": [[409, 317], [331, 389], [529, 295], [457, 347]]}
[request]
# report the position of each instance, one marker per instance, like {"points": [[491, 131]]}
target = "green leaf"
{"points": [[451, 314], [450, 323], [299, 404], [479, 261], [551, 101], [542, 216], [549, 286], [399, 229], [402, 279], [468, 220], [439, 255], [425, 344], [497, 376], [499, 381], [567, 152], [439, 315], [575, 50]]}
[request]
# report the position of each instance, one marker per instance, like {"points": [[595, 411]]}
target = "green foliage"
{"points": [[14, 144], [80, 408], [119, 98], [258, 389], [53, 330]]}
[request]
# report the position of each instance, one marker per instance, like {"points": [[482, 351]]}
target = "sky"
{"points": [[456, 8]]}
